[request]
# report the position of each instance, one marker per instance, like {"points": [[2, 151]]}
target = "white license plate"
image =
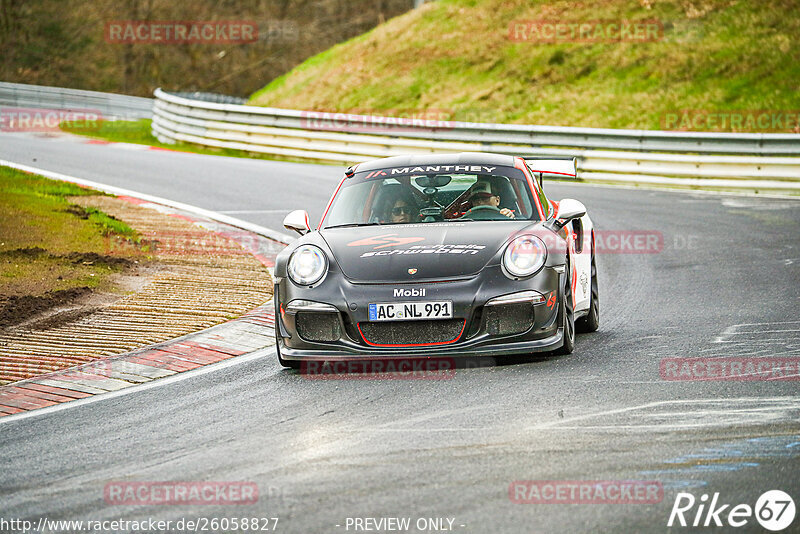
{"points": [[410, 311]]}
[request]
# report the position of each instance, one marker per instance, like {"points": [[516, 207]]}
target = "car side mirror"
{"points": [[568, 209], [297, 221]]}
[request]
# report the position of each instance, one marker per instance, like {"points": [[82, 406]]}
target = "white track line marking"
{"points": [[666, 189], [271, 234], [762, 332], [736, 329], [261, 353], [726, 402], [238, 212], [767, 324], [266, 232], [559, 424]]}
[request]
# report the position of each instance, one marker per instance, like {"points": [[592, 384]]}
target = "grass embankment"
{"points": [[137, 132], [457, 56], [140, 133], [51, 250]]}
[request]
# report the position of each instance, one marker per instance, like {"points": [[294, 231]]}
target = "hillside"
{"points": [[459, 57]]}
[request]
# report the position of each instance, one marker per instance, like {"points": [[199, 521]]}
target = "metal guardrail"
{"points": [[688, 158], [212, 97], [110, 106]]}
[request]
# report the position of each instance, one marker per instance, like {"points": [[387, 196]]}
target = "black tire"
{"points": [[591, 322], [286, 363], [567, 314]]}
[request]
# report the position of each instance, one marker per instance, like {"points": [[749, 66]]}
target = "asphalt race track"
{"points": [[725, 284]]}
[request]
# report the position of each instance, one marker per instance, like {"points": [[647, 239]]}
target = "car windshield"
{"points": [[421, 195]]}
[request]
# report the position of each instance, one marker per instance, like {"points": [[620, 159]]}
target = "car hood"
{"points": [[418, 252]]}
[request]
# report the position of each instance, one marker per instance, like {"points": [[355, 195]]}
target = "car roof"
{"points": [[463, 158]]}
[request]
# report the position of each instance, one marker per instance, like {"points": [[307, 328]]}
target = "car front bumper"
{"points": [[341, 309]]}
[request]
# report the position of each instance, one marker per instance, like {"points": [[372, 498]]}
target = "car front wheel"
{"points": [[591, 322], [567, 312]]}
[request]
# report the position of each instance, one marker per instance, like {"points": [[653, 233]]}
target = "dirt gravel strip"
{"points": [[237, 337], [207, 273]]}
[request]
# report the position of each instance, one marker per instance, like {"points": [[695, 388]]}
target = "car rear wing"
{"points": [[561, 167]]}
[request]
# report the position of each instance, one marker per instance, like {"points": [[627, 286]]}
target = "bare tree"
{"points": [[62, 42]]}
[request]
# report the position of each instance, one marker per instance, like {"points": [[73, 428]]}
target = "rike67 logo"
{"points": [[774, 510]]}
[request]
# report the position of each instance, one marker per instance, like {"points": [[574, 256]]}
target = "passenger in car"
{"points": [[401, 209]]}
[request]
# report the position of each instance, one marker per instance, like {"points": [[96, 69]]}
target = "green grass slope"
{"points": [[456, 57]]}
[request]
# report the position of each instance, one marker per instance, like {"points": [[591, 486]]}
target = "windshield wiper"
{"points": [[351, 225]]}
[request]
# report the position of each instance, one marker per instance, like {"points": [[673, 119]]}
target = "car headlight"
{"points": [[524, 256], [307, 265]]}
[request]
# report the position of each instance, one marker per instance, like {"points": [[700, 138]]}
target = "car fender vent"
{"points": [[318, 326], [508, 319]]}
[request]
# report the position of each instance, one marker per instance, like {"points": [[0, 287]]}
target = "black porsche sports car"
{"points": [[438, 255]]}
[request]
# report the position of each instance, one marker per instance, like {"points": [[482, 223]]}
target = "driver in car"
{"points": [[401, 209], [485, 203]]}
